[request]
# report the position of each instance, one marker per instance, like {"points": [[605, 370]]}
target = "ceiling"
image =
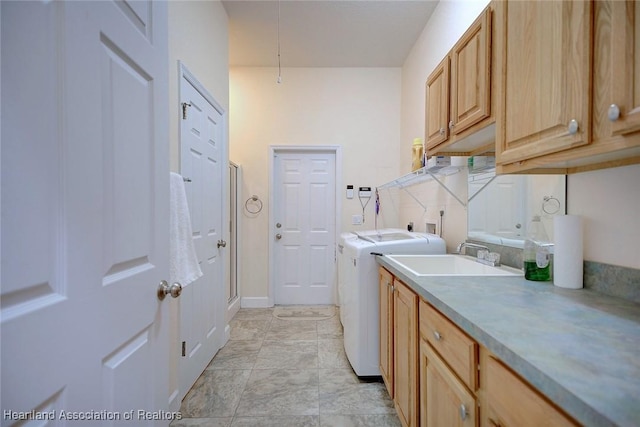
{"points": [[325, 33]]}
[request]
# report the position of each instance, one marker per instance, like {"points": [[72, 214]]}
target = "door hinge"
{"points": [[184, 348], [184, 109]]}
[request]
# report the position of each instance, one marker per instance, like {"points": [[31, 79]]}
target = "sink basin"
{"points": [[450, 265]]}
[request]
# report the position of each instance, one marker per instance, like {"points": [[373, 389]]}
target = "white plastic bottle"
{"points": [[537, 257]]}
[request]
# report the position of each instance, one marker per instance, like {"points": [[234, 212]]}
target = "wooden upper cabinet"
{"points": [[471, 76], [437, 106], [458, 94], [543, 68], [613, 93], [617, 69]]}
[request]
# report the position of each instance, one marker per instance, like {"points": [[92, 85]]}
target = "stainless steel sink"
{"points": [[450, 265]]}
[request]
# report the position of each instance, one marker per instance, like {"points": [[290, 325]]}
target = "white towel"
{"points": [[183, 262]]}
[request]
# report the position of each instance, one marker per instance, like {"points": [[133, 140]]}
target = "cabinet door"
{"points": [[471, 76], [445, 401], [543, 77], [437, 107], [625, 63], [385, 280], [405, 314]]}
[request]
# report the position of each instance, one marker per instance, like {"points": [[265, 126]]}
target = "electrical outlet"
{"points": [[356, 219]]}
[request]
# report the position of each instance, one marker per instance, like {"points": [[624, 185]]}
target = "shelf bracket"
{"points": [[483, 187], [447, 189], [414, 198]]}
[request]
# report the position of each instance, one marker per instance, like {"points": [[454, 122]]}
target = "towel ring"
{"points": [[550, 205], [255, 203]]}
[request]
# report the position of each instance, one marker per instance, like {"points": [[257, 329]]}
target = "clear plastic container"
{"points": [[537, 252]]}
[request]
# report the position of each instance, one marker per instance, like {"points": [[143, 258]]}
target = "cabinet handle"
{"points": [[451, 124], [437, 335], [614, 112], [463, 412], [573, 127], [441, 131]]}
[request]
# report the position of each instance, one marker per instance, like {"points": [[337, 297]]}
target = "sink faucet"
{"points": [[464, 245]]}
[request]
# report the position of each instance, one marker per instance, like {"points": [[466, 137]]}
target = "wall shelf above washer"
{"points": [[422, 175], [436, 173]]}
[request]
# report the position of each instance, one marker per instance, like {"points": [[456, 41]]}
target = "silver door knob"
{"points": [[222, 243], [441, 131], [278, 225], [278, 236], [451, 124], [164, 289], [573, 127]]}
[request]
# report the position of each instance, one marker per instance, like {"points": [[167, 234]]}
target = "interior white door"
{"points": [[202, 302], [304, 227], [84, 211]]}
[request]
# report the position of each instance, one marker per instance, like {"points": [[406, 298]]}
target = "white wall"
{"points": [[609, 202], [355, 108], [198, 36], [449, 21]]}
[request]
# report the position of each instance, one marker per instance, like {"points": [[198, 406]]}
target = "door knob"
{"points": [[222, 243], [278, 225], [164, 289], [278, 236]]}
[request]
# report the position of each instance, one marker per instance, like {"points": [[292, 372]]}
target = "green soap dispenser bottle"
{"points": [[537, 257]]}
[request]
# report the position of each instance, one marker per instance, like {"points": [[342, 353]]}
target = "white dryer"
{"points": [[358, 288]]}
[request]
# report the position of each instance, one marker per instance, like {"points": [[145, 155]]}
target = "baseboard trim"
{"points": [[255, 302]]}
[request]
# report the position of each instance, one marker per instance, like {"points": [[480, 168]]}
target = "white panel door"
{"points": [[203, 301], [498, 207], [304, 256], [84, 210]]}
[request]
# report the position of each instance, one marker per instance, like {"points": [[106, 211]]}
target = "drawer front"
{"points": [[512, 402], [454, 346]]}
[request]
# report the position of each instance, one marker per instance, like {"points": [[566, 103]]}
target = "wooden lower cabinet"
{"points": [[405, 354], [444, 399], [437, 375]]}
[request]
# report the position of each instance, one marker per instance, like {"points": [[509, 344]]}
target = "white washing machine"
{"points": [[358, 288]]}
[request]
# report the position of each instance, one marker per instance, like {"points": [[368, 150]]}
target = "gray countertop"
{"points": [[579, 348]]}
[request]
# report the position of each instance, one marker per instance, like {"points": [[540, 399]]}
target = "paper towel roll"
{"points": [[567, 252]]}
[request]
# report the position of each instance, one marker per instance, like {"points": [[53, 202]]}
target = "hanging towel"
{"points": [[183, 262]]}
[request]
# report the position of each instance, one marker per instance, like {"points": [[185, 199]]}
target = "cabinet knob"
{"points": [[441, 131], [573, 127], [614, 112], [437, 335], [451, 124], [463, 412]]}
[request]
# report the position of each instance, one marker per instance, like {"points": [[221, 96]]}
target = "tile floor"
{"points": [[284, 373]]}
